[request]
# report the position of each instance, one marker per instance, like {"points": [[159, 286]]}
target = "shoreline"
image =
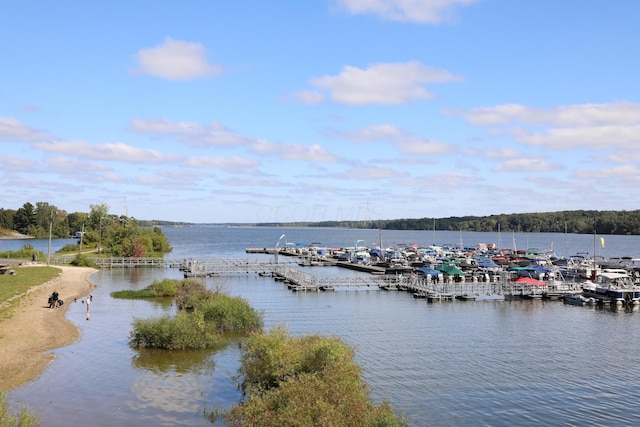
{"points": [[29, 330]]}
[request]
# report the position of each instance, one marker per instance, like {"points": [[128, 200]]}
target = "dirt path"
{"points": [[33, 329]]}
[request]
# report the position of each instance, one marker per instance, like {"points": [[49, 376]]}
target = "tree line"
{"points": [[579, 222], [108, 233], [35, 220]]}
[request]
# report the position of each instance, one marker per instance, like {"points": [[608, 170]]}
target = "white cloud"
{"points": [[526, 164], [565, 115], [450, 180], [228, 164], [594, 127], [176, 60], [385, 83], [595, 138], [423, 11], [12, 130], [627, 173], [250, 182], [190, 133], [309, 97], [13, 163], [313, 153], [405, 142], [110, 151], [369, 172], [67, 164], [502, 153]]}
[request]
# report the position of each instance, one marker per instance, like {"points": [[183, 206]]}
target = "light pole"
{"points": [[100, 235], [276, 249], [81, 238]]}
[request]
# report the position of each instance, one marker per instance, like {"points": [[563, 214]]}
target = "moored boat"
{"points": [[578, 299]]}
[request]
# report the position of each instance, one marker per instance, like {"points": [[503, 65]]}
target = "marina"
{"points": [[515, 362], [434, 273]]}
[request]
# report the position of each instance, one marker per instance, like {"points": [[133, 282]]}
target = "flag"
{"points": [[602, 241]]}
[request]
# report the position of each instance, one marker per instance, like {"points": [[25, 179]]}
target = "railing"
{"points": [[288, 270]]}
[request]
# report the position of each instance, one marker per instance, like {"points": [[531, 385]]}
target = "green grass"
{"points": [[22, 418], [131, 294], [157, 289], [24, 279]]}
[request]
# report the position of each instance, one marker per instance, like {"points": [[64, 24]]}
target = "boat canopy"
{"points": [[427, 270], [450, 270], [530, 281]]}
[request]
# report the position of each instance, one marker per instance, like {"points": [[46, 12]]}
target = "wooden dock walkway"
{"points": [[287, 270]]}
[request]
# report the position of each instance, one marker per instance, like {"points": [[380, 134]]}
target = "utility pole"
{"points": [[81, 236], [49, 247]]}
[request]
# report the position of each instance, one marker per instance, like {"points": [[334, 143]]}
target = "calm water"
{"points": [[483, 363]]}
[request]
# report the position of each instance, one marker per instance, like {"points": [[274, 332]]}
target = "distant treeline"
{"points": [[35, 220], [579, 222]]}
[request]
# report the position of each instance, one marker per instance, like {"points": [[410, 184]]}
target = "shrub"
{"points": [[305, 381], [185, 331], [81, 260], [191, 294], [69, 248], [230, 314], [164, 288], [202, 319]]}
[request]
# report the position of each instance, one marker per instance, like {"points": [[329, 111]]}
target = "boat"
{"points": [[614, 286], [578, 299]]}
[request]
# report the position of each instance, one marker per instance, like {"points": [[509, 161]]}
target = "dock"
{"points": [[293, 270]]}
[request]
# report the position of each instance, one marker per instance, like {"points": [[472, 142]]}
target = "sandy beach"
{"points": [[31, 329]]}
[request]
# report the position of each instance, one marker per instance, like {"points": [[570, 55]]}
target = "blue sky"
{"points": [[320, 110]]}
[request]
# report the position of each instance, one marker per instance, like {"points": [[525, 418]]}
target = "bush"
{"points": [[164, 288], [81, 260], [185, 331], [230, 314], [305, 381], [202, 319], [69, 248], [191, 294]]}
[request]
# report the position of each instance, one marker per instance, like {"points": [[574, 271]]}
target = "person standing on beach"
{"points": [[89, 299]]}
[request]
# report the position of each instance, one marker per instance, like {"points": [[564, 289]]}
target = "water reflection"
{"points": [[162, 361]]}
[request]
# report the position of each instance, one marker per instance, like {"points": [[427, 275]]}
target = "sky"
{"points": [[253, 111]]}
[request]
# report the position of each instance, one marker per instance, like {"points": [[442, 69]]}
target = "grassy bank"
{"points": [[24, 279]]}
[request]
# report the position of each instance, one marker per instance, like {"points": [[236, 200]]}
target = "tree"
{"points": [[25, 218], [6, 218], [98, 217], [77, 220]]}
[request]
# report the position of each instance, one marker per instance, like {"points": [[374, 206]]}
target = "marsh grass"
{"points": [[131, 294], [22, 418], [157, 289], [205, 319]]}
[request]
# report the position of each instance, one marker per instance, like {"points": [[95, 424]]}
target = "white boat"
{"points": [[614, 286]]}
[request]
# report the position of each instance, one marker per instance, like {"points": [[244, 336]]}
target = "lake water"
{"points": [[483, 363]]}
